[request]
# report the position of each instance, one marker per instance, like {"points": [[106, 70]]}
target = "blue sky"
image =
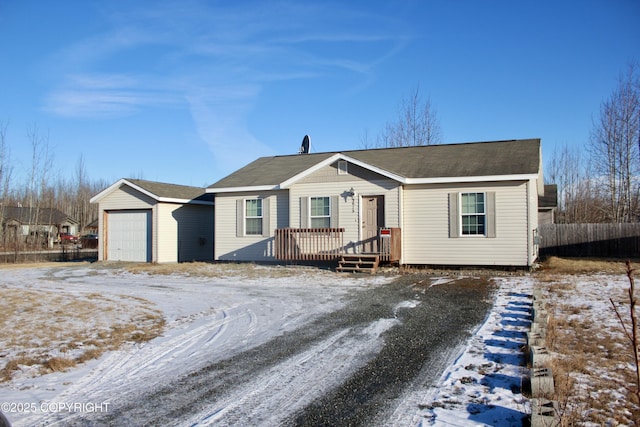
{"points": [[187, 91]]}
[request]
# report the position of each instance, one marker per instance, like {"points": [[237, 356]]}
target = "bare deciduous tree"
{"points": [[575, 202], [43, 188], [5, 178], [5, 163], [417, 124], [615, 148], [39, 192]]}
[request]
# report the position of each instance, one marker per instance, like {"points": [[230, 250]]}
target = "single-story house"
{"points": [[547, 205], [40, 226], [148, 221], [454, 204]]}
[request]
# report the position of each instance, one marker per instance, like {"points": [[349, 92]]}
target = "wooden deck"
{"points": [[327, 244]]}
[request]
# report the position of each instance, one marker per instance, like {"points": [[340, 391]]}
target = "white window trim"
{"points": [[461, 215], [245, 216], [311, 217], [343, 167]]}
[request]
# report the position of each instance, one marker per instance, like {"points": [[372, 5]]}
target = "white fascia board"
{"points": [[123, 181], [243, 189], [375, 169], [113, 188], [309, 171], [456, 179], [335, 158]]}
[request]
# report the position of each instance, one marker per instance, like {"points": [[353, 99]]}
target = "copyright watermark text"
{"points": [[54, 407]]}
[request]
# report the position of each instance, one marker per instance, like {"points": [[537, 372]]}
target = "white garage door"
{"points": [[129, 236]]}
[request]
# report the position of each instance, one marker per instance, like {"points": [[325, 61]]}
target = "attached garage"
{"points": [[147, 221], [128, 235]]}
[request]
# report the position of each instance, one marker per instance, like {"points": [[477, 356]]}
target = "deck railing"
{"points": [[309, 244], [327, 244]]}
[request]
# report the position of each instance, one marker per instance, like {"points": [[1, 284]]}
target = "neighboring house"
{"points": [[34, 225], [547, 205], [149, 221], [457, 204], [91, 228]]}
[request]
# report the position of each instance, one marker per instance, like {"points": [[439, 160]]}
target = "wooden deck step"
{"points": [[358, 263]]}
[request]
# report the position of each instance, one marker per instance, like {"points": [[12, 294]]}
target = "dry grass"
{"points": [[203, 269], [555, 265], [50, 331], [593, 359], [584, 393], [12, 266]]}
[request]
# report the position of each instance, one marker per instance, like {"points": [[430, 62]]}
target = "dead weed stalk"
{"points": [[631, 332]]}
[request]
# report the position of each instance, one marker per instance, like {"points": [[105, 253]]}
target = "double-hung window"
{"points": [[474, 214], [320, 212], [253, 217]]}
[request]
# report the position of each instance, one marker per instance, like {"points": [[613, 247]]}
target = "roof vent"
{"points": [[305, 146]]}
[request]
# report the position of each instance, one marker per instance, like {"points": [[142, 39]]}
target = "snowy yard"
{"points": [[187, 319]]}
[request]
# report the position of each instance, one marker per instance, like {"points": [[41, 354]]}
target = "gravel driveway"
{"points": [[421, 329]]}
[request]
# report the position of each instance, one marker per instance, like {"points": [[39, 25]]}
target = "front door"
{"points": [[373, 219]]}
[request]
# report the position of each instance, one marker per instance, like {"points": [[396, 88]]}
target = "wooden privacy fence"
{"points": [[590, 240]]}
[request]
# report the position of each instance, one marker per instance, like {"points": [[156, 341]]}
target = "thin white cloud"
{"points": [[106, 96], [224, 130], [100, 104], [216, 60]]}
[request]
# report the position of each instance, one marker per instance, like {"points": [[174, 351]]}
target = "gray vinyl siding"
{"points": [[186, 233], [230, 244], [284, 210], [126, 198], [349, 208], [427, 229], [330, 174]]}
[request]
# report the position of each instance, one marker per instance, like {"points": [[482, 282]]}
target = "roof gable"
{"points": [[407, 165], [159, 191]]}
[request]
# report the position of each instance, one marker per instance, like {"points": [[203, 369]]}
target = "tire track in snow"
{"points": [[348, 366], [123, 370], [297, 381], [337, 342]]}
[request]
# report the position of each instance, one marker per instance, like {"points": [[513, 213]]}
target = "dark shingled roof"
{"points": [[42, 216], [172, 191], [511, 157], [550, 198]]}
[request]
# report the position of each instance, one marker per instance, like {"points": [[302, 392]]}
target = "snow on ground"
{"points": [[209, 318], [591, 346], [482, 387]]}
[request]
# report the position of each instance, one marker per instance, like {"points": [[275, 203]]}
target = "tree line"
{"points": [[600, 182], [42, 185]]}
